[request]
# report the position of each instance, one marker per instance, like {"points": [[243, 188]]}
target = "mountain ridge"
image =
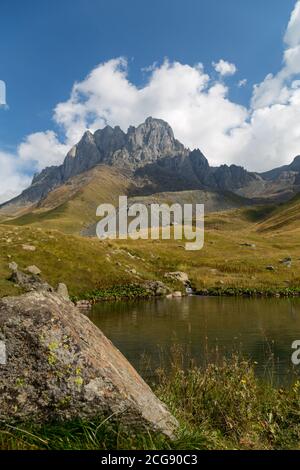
{"points": [[151, 155]]}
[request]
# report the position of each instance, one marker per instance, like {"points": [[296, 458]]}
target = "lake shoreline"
{"points": [[137, 292]]}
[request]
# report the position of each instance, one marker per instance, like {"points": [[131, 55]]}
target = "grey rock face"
{"points": [[150, 151], [276, 173], [61, 366], [109, 140], [192, 171], [33, 270], [13, 266], [179, 276], [152, 140], [30, 282], [62, 290], [84, 156], [156, 288]]}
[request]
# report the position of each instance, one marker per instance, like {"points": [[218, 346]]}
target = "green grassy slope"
{"points": [[72, 207], [284, 217], [236, 254]]}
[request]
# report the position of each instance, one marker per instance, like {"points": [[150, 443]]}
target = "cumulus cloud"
{"points": [[197, 106], [292, 35], [42, 149], [272, 135], [276, 89], [224, 68], [13, 180]]}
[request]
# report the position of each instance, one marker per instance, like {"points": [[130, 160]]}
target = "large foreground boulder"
{"points": [[61, 366]]}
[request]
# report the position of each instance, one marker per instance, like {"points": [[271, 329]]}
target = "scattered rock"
{"points": [[33, 270], [286, 262], [177, 293], [13, 266], [249, 245], [60, 366], [189, 290], [83, 304], [30, 282], [62, 290], [270, 268], [178, 276], [156, 288], [28, 247]]}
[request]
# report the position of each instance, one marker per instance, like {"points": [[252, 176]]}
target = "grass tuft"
{"points": [[220, 406]]}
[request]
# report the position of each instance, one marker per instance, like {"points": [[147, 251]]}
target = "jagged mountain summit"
{"points": [[148, 151], [154, 161], [145, 144], [291, 171]]}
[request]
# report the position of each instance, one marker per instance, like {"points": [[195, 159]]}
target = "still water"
{"points": [[205, 329]]}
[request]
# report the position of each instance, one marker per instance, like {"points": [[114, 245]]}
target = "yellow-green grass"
{"points": [[222, 406], [286, 216], [86, 264], [72, 207]]}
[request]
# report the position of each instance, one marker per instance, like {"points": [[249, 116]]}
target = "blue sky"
{"points": [[46, 46]]}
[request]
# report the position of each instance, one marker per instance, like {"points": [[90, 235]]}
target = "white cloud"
{"points": [[224, 68], [292, 35], [265, 135], [242, 83], [276, 89], [13, 180], [197, 108], [272, 136], [42, 149]]}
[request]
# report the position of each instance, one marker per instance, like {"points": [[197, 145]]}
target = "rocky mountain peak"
{"points": [[109, 139], [151, 152], [295, 165], [149, 142], [156, 136]]}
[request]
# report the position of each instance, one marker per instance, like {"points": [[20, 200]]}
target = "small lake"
{"points": [[205, 329]]}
